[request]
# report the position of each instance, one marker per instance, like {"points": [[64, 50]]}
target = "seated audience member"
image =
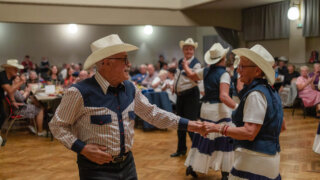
{"points": [[150, 77], [161, 62], [33, 77], [316, 73], [288, 90], [281, 71], [138, 78], [307, 92], [64, 70], [27, 64], [159, 80], [82, 76], [282, 66], [44, 66], [53, 76], [76, 69], [168, 85], [69, 80], [165, 66], [291, 75], [30, 110]]}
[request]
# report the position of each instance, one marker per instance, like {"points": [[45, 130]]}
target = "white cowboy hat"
{"points": [[261, 57], [188, 41], [13, 63], [215, 53], [282, 58], [106, 47]]}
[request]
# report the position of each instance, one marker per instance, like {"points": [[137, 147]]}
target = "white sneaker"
{"points": [[43, 133], [32, 129]]}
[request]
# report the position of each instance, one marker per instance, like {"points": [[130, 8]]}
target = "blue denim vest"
{"points": [[191, 65], [211, 80], [267, 140]]}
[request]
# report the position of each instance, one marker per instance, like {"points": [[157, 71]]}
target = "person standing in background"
{"points": [[187, 91]]}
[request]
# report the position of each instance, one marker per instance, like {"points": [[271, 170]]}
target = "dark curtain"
{"points": [[266, 22], [229, 35], [253, 22], [311, 18], [277, 23]]}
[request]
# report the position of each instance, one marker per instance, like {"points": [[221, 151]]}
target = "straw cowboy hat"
{"points": [[261, 57], [12, 63], [283, 58], [189, 42], [106, 47], [215, 53]]}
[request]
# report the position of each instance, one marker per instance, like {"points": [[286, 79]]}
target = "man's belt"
{"points": [[120, 158]]}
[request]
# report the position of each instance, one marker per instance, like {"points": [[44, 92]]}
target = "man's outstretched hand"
{"points": [[196, 126]]}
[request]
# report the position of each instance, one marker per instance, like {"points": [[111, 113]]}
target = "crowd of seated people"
{"points": [[37, 78]]}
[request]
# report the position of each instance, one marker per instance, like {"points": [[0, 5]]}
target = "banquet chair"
{"points": [[13, 115]]}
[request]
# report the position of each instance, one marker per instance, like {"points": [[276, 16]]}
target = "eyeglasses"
{"points": [[125, 59], [240, 67]]}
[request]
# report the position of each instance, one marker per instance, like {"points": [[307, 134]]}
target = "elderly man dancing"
{"points": [[96, 116]]}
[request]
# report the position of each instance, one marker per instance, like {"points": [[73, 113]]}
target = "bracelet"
{"points": [[225, 130], [221, 128]]}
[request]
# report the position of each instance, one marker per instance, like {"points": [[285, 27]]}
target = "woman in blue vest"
{"points": [[214, 151], [259, 119]]}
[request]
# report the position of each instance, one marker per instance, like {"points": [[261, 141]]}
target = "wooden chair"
{"points": [[13, 115]]}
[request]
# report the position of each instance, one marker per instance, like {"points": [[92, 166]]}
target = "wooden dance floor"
{"points": [[28, 157]]}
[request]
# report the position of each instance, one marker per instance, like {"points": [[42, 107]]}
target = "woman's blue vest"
{"points": [[211, 80], [267, 140]]}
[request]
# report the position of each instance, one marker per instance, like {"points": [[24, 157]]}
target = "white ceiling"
{"points": [[154, 4]]}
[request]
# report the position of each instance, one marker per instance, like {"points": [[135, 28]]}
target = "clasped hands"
{"points": [[203, 128]]}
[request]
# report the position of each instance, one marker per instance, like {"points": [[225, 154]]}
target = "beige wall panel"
{"points": [[275, 47], [116, 16]]}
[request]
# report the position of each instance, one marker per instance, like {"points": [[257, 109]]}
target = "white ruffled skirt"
{"points": [[214, 151]]}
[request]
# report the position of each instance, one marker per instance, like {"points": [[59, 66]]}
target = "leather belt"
{"points": [[120, 158]]}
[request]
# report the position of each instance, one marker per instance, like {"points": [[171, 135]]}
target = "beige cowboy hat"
{"points": [[215, 53], [189, 42], [13, 63], [261, 57], [283, 58], [106, 47]]}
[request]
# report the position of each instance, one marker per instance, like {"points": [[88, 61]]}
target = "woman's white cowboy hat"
{"points": [[189, 42], [215, 53], [261, 57], [13, 63], [283, 58], [106, 47]]}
